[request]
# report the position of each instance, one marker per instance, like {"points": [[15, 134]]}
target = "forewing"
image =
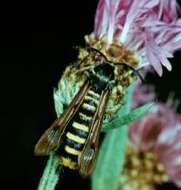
{"points": [[88, 155], [50, 140]]}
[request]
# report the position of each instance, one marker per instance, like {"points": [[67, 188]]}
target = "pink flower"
{"points": [[144, 131], [152, 28], [160, 132], [168, 149], [142, 94]]}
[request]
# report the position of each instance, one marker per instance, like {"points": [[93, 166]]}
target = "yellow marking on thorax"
{"points": [[75, 138], [67, 162], [89, 107], [91, 98], [80, 126], [93, 94], [72, 150]]}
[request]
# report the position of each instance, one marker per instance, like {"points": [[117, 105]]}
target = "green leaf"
{"points": [[120, 120], [110, 160]]}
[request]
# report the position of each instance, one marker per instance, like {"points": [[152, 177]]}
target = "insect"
{"points": [[74, 135]]}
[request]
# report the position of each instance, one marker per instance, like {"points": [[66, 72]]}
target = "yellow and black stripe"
{"points": [[78, 130]]}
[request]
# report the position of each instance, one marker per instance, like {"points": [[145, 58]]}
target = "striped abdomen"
{"points": [[78, 130]]}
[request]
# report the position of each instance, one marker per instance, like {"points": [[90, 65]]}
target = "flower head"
{"points": [[151, 28], [159, 132], [145, 131], [168, 149]]}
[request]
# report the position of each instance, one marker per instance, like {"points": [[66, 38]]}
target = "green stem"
{"points": [[111, 154], [50, 175]]}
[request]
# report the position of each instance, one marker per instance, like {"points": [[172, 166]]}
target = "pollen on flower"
{"points": [[115, 52], [142, 171], [82, 53]]}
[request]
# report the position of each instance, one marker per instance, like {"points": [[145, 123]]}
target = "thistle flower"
{"points": [[150, 28], [168, 150], [158, 134], [151, 126]]}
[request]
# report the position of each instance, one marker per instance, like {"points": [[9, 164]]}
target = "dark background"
{"points": [[36, 43]]}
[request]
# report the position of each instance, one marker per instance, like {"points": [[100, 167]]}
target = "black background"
{"points": [[36, 43]]}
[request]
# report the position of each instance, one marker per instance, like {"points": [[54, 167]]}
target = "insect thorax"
{"points": [[102, 77]]}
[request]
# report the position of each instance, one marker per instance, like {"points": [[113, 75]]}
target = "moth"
{"points": [[74, 135]]}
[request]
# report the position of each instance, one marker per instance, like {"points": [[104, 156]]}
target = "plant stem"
{"points": [[50, 175], [111, 154]]}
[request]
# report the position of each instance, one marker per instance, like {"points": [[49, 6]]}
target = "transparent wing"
{"points": [[50, 140], [88, 155]]}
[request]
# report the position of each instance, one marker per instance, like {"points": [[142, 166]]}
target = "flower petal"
{"points": [[129, 21], [168, 149]]}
